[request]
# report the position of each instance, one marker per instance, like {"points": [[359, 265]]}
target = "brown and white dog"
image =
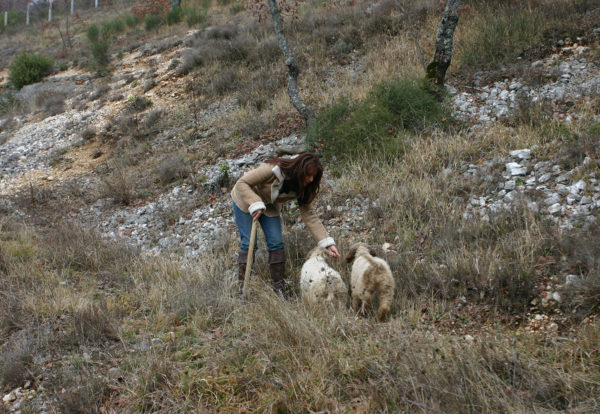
{"points": [[370, 277]]}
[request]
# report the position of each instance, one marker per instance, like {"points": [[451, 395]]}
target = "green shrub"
{"points": [[29, 68], [93, 33], [593, 128], [195, 16], [15, 17], [131, 20], [113, 27], [99, 44], [153, 22], [413, 107], [376, 125], [101, 57], [174, 16]]}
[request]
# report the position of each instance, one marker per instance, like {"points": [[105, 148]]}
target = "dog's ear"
{"points": [[351, 253], [372, 252]]}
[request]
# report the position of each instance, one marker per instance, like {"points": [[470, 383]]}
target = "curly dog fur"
{"points": [[371, 276], [321, 284]]}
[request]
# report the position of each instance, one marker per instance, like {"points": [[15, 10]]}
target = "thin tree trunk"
{"points": [[293, 69], [443, 43], [50, 11], [27, 21], [5, 18], [72, 7]]}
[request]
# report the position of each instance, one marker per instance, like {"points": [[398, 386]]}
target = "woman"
{"points": [[259, 194]]}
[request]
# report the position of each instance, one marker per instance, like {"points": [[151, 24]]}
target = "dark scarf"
{"points": [[290, 186]]}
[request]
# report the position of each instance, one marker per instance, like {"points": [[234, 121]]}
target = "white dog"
{"points": [[370, 277], [319, 283]]}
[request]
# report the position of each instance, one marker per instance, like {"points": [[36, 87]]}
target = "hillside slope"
{"points": [[117, 240]]}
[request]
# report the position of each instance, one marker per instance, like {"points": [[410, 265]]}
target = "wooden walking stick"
{"points": [[250, 256]]}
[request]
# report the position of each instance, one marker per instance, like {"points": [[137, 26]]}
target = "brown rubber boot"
{"points": [[242, 261], [277, 267]]}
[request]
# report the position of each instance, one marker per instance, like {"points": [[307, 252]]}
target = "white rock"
{"points": [[523, 154], [580, 185], [545, 177], [555, 208], [10, 397], [515, 168], [552, 199]]}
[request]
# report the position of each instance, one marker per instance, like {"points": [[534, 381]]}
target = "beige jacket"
{"points": [[259, 189]]}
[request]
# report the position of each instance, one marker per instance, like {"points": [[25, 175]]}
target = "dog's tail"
{"points": [[377, 264]]}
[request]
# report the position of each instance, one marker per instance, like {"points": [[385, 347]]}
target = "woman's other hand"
{"points": [[256, 214], [333, 251]]}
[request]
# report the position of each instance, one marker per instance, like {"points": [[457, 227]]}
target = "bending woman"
{"points": [[259, 194]]}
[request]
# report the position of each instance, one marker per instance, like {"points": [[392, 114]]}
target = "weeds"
{"points": [[173, 168], [376, 126], [9, 103]]}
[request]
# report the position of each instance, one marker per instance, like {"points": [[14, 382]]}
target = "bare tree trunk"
{"points": [[443, 43], [95, 4], [27, 20], [66, 40], [5, 18], [72, 7], [50, 11], [293, 69]]}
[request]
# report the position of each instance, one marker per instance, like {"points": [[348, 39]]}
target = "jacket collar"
{"points": [[275, 186], [278, 173]]}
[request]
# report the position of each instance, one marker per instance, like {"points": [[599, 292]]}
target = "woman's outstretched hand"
{"points": [[333, 251]]}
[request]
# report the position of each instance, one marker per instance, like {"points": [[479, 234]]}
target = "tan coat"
{"points": [[259, 189]]}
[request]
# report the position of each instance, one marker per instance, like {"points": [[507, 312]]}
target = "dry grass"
{"points": [[197, 345]]}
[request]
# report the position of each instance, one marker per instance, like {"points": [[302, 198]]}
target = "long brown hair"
{"points": [[298, 169]]}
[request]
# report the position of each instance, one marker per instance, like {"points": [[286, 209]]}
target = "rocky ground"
{"points": [[30, 145]]}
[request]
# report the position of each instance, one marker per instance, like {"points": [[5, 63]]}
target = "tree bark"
{"points": [[27, 16], [293, 69], [443, 43]]}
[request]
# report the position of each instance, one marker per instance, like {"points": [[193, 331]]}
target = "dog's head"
{"points": [[357, 247]]}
